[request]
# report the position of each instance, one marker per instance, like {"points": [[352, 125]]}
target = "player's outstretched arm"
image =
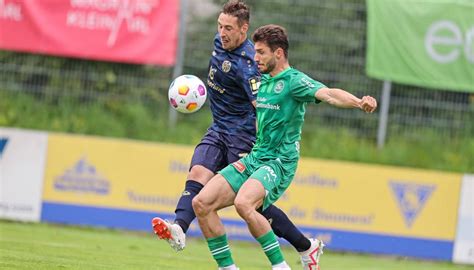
{"points": [[344, 99]]}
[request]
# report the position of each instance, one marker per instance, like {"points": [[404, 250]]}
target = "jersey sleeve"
{"points": [[304, 88], [248, 79]]}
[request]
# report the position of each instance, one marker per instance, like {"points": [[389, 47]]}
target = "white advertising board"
{"points": [[464, 243], [22, 163]]}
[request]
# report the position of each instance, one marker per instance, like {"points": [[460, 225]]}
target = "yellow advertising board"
{"points": [[376, 199], [401, 211], [115, 173]]}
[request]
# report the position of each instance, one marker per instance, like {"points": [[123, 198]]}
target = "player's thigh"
{"points": [[238, 172], [216, 194], [200, 174], [275, 178], [252, 193]]}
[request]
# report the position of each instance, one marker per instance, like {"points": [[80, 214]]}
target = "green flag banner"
{"points": [[428, 43]]}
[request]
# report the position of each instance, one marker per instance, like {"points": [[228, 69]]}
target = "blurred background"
{"points": [[87, 135], [426, 128]]}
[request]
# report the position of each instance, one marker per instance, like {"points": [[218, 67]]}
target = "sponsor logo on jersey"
{"points": [[3, 144], [268, 106], [226, 65], [214, 86], [254, 84], [411, 198], [212, 71], [305, 80], [239, 166], [210, 80], [270, 176], [241, 155], [280, 85], [82, 177]]}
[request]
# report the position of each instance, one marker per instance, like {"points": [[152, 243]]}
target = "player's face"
{"points": [[232, 35], [265, 58]]}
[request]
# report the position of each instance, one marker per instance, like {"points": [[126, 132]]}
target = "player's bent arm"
{"points": [[344, 99], [338, 98]]}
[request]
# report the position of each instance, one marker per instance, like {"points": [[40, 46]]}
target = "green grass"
{"points": [[43, 246]]}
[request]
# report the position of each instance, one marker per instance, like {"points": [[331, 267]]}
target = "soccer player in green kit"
{"points": [[256, 181]]}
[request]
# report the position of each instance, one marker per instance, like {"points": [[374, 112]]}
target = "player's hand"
{"points": [[368, 104]]}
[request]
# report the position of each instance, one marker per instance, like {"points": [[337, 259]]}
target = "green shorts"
{"points": [[275, 175]]}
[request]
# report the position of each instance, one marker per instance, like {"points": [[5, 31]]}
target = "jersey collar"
{"points": [[279, 75]]}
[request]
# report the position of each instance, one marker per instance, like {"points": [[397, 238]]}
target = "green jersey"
{"points": [[281, 103]]}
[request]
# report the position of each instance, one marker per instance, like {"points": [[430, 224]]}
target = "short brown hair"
{"points": [[238, 9], [274, 36]]}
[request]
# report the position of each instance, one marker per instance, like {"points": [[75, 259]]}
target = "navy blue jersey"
{"points": [[233, 82]]}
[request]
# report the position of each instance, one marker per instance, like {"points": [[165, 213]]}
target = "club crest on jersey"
{"points": [[226, 65], [280, 85], [239, 166]]}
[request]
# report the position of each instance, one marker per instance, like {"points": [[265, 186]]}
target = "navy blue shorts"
{"points": [[217, 150]]}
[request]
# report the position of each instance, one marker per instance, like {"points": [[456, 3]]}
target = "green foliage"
{"points": [[149, 121], [112, 118], [44, 246], [431, 152]]}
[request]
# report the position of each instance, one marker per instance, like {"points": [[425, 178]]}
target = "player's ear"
{"points": [[279, 53], [245, 28]]}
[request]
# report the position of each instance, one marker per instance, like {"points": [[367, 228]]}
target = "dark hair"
{"points": [[238, 9], [274, 36]]}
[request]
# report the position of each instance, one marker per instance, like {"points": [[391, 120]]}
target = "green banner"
{"points": [[427, 43]]}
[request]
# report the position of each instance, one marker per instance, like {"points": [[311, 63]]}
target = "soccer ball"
{"points": [[187, 93]]}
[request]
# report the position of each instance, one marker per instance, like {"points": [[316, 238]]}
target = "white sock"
{"points": [[230, 267]]}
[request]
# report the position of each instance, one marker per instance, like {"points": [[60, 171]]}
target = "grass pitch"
{"points": [[44, 246]]}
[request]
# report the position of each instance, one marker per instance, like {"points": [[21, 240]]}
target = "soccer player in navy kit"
{"points": [[233, 82]]}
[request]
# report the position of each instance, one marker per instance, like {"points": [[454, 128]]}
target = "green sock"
{"points": [[220, 250], [271, 247]]}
